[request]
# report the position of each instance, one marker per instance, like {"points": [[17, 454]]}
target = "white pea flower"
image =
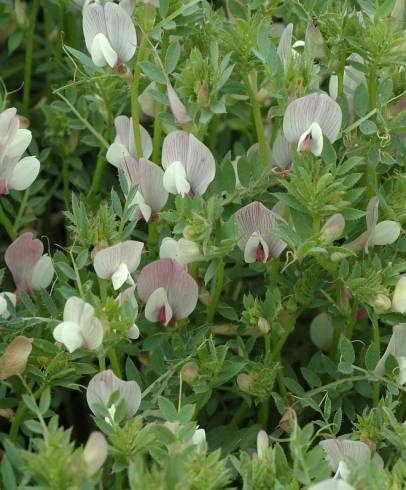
{"points": [[95, 453], [80, 327], [31, 269], [256, 223], [116, 263], [103, 385], [189, 165], [15, 172], [342, 452], [110, 34], [183, 250], [308, 118], [4, 313]]}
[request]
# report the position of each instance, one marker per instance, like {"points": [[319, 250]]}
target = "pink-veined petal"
{"points": [[151, 185], [92, 333], [108, 260], [285, 45], [104, 384], [396, 347], [181, 288], [302, 112], [281, 151], [255, 217], [77, 311], [178, 109], [338, 450], [21, 257], [121, 31], [93, 23]]}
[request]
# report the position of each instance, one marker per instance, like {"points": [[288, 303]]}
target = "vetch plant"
{"points": [[202, 284]]}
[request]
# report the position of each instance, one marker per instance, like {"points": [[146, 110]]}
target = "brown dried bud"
{"points": [[189, 372], [285, 422], [15, 357]]}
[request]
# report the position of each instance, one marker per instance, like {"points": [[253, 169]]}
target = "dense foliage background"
{"points": [[289, 346]]}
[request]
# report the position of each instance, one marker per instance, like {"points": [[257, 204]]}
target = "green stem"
{"points": [[65, 178], [8, 226], [102, 362], [239, 414], [256, 112], [135, 109], [21, 209], [115, 364], [119, 480], [316, 224], [217, 292], [156, 141], [213, 132], [28, 56], [372, 87], [377, 341], [340, 75], [281, 342]]}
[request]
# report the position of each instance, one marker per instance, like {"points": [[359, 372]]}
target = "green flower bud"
{"points": [[332, 229], [189, 372]]}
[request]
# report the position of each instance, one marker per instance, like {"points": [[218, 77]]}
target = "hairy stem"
{"points": [[259, 127], [135, 109]]}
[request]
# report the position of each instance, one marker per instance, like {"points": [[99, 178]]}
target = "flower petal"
{"points": [[4, 313], [396, 347], [21, 257], [255, 217], [281, 151], [121, 31], [108, 260], [102, 52], [338, 450], [117, 153], [174, 179], [251, 247], [285, 45], [93, 23], [92, 332], [68, 334], [104, 384], [386, 232], [42, 273], [399, 296], [311, 140], [157, 302], [178, 109], [120, 276], [95, 453], [302, 112], [19, 144], [24, 173], [181, 288], [332, 484], [151, 185]]}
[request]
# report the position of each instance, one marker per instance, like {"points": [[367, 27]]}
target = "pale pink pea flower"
{"points": [[31, 270], [116, 263], [110, 34], [80, 327], [257, 241], [189, 165], [306, 120], [124, 143], [103, 385], [15, 172], [169, 292]]}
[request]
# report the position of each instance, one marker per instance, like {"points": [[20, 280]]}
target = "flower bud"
{"points": [[382, 303], [399, 296], [189, 372], [15, 357], [262, 443], [244, 382], [94, 453], [20, 11], [322, 331], [263, 325], [385, 233], [333, 229]]}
